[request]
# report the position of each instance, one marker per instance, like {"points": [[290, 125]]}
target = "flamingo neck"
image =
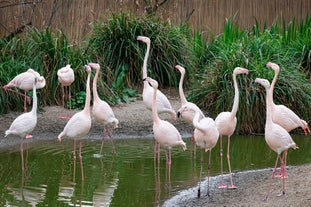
{"points": [[35, 100], [269, 105], [145, 64], [88, 95], [181, 91], [154, 107], [196, 117], [236, 97], [95, 94], [276, 74]]}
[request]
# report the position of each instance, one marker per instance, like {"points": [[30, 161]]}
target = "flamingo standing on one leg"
{"points": [[282, 115], [25, 123], [278, 139], [164, 132], [205, 135], [102, 112], [79, 124], [163, 104], [226, 123], [187, 114], [66, 77], [24, 81]]}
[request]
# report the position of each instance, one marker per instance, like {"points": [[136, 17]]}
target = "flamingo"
{"points": [[163, 104], [80, 123], [282, 115], [25, 123], [226, 123], [205, 135], [24, 81], [277, 138], [165, 133], [102, 112], [66, 77], [188, 114]]}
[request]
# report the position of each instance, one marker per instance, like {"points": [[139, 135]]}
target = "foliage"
{"points": [[288, 46]]}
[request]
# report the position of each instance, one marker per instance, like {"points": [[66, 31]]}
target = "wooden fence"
{"points": [[75, 17]]}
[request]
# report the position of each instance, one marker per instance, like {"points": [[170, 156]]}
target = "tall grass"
{"points": [[288, 46]]}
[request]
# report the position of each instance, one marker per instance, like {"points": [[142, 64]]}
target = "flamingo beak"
{"points": [[178, 114]]}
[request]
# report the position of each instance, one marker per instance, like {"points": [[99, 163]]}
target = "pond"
{"points": [[128, 178]]}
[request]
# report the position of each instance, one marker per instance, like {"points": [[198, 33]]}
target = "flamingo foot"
{"points": [[222, 185], [28, 136], [232, 186], [281, 194], [199, 192], [265, 197], [62, 117]]}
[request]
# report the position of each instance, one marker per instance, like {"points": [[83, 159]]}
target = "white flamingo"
{"points": [[24, 81], [163, 104], [165, 133], [277, 138], [25, 123], [102, 112], [226, 123], [205, 135], [66, 77], [80, 123], [282, 115]]}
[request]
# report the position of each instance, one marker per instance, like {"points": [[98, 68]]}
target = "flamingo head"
{"points": [[274, 66], [239, 70], [144, 39], [88, 69], [186, 107], [95, 66], [152, 82], [181, 69], [183, 145], [264, 82]]}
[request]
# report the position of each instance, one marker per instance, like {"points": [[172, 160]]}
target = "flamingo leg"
{"points": [[69, 98], [266, 196], [201, 161], [222, 185], [158, 153], [25, 106], [103, 140], [283, 174], [110, 136], [232, 186], [208, 171], [81, 164], [168, 167], [22, 154], [74, 160], [62, 116]]}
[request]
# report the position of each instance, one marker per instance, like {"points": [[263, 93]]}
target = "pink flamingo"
{"points": [[282, 115], [102, 112], [25, 123], [24, 81], [163, 104], [165, 133], [187, 114], [66, 77], [205, 135], [79, 124], [226, 123], [278, 139]]}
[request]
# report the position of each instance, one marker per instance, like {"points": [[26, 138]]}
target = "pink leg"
{"points": [[232, 186], [103, 141], [159, 151], [199, 189], [222, 185], [74, 160], [155, 151], [266, 196], [81, 164], [62, 116], [25, 110], [22, 154], [69, 98], [283, 175], [110, 136], [282, 172], [208, 171]]}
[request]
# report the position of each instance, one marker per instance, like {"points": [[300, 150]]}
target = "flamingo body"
{"points": [[66, 75], [163, 104]]}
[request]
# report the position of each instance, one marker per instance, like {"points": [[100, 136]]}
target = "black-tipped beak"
{"points": [[144, 79], [178, 114]]}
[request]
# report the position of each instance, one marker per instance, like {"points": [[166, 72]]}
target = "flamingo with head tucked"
{"points": [[66, 77], [165, 133], [102, 112], [163, 104], [226, 123], [25, 123], [205, 135], [24, 81], [278, 139], [80, 123]]}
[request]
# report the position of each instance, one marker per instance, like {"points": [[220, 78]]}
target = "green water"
{"points": [[127, 178]]}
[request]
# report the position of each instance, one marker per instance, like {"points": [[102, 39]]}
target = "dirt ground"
{"points": [[136, 121]]}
